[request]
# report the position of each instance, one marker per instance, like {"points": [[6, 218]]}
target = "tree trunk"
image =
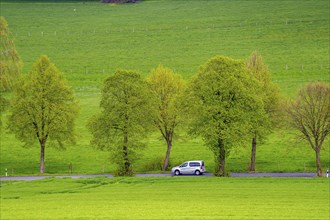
{"points": [[127, 164], [221, 160], [42, 157], [318, 163], [253, 154], [168, 152]]}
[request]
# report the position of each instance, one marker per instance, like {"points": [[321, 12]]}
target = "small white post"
{"points": [[327, 173], [6, 171]]}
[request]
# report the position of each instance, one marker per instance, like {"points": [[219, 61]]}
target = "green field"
{"points": [[166, 198], [99, 38], [93, 40]]}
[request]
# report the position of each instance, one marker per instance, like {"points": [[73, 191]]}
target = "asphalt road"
{"points": [[29, 178]]}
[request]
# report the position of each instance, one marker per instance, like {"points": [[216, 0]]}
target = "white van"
{"points": [[190, 167]]}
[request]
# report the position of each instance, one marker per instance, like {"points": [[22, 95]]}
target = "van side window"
{"points": [[194, 164], [184, 165]]}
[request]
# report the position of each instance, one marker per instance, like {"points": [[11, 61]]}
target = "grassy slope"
{"points": [[90, 43], [166, 198]]}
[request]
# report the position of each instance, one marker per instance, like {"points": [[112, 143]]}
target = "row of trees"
{"points": [[226, 103]]}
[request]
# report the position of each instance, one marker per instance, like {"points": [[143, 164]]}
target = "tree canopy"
{"points": [[44, 108], [126, 117], [222, 102]]}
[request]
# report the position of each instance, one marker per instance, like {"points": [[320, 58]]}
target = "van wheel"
{"points": [[197, 172], [177, 173]]}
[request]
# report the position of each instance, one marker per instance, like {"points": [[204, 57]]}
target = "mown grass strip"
{"points": [[166, 198]]}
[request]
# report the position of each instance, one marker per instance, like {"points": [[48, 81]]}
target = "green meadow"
{"points": [[166, 198], [88, 41]]}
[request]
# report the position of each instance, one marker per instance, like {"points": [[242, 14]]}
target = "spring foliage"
{"points": [[44, 107], [223, 102], [125, 118], [10, 62], [167, 88], [269, 93], [270, 96]]}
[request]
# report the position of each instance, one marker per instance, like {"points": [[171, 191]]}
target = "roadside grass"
{"points": [[88, 44], [166, 198]]}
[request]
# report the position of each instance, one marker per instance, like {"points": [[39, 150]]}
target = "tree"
{"points": [[10, 62], [125, 118], [167, 87], [309, 115], [222, 101], [270, 97], [44, 108]]}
